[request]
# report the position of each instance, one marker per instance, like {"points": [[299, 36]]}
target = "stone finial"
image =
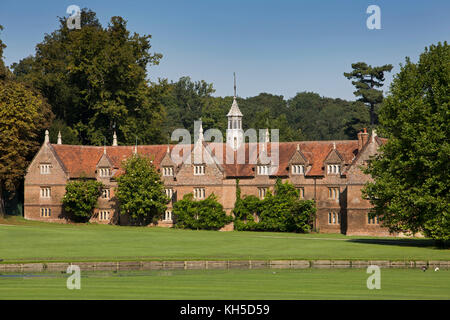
{"points": [[298, 147], [114, 139], [47, 137], [267, 137], [334, 145], [168, 148], [374, 135], [59, 138]]}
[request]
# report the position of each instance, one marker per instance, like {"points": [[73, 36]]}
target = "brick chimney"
{"points": [[363, 137]]}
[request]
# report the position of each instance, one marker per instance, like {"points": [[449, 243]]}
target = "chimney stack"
{"points": [[363, 137]]}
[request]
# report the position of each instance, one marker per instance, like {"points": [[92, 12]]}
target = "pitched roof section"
{"points": [[82, 160], [234, 111]]}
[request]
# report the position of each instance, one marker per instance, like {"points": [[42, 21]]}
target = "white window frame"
{"points": [[262, 192], [199, 193], [168, 215], [333, 193], [168, 171], [46, 212], [104, 215], [333, 169], [105, 172], [372, 221], [169, 193], [334, 218], [45, 168], [297, 169], [46, 192], [263, 169], [106, 193], [199, 169]]}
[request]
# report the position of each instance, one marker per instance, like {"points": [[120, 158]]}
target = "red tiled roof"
{"points": [[82, 160]]}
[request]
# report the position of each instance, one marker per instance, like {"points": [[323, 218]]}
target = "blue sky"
{"points": [[281, 47]]}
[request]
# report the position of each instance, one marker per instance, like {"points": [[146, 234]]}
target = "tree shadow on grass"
{"points": [[419, 243]]}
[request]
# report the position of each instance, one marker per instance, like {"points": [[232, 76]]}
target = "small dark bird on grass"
{"points": [[424, 268]]}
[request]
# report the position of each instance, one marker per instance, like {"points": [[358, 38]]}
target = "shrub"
{"points": [[207, 214], [81, 198]]}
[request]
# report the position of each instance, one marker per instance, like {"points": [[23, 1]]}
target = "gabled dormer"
{"points": [[333, 162], [263, 164], [167, 165], [104, 166], [298, 163]]}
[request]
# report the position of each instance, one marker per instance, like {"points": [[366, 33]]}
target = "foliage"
{"points": [[140, 191], [367, 80], [81, 198], [411, 186], [207, 214], [95, 80], [69, 135], [281, 211]]}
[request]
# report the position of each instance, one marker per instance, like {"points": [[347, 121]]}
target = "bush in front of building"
{"points": [[81, 198], [207, 214], [281, 211], [140, 191]]}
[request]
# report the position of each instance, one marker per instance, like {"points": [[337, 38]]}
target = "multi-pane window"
{"points": [[262, 192], [199, 193], [45, 168], [103, 215], [105, 172], [199, 170], [372, 220], [333, 169], [169, 193], [106, 193], [46, 192], [168, 171], [298, 169], [46, 212], [301, 192], [263, 169], [167, 215], [333, 193], [334, 218]]}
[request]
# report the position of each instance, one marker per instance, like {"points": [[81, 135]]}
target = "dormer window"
{"points": [[333, 169], [105, 172], [263, 169], [45, 168], [168, 171], [297, 169], [199, 170]]}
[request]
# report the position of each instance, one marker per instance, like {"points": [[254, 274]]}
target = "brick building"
{"points": [[327, 171]]}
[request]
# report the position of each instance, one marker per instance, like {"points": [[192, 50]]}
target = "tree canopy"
{"points": [[411, 188], [367, 81]]}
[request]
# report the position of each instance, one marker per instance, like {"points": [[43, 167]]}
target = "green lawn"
{"points": [[35, 241], [232, 284]]}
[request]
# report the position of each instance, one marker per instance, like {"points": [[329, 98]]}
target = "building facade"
{"points": [[329, 172]]}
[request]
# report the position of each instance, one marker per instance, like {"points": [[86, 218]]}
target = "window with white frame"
{"points": [[297, 169], [372, 220], [262, 192], [199, 193], [199, 169], [46, 192], [168, 171], [301, 192], [103, 215], [333, 169], [106, 193], [169, 193], [167, 215], [45, 168], [105, 172], [263, 169], [334, 218], [46, 212], [333, 193]]}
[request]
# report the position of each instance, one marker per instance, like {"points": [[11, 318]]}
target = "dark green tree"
{"points": [[95, 80], [81, 198], [411, 188], [140, 191], [367, 81], [207, 214]]}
